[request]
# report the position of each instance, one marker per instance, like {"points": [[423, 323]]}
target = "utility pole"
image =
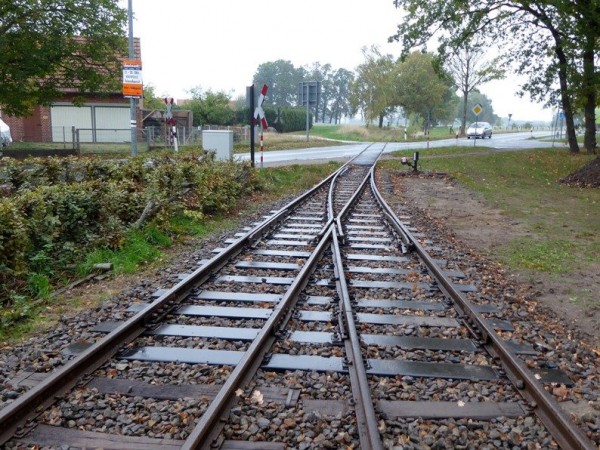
{"points": [[132, 101]]}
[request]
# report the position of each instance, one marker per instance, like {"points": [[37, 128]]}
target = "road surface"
{"points": [[506, 141]]}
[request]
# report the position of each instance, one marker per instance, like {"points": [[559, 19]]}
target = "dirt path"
{"points": [[475, 223]]}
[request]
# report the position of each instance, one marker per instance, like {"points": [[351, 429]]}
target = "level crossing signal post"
{"points": [[257, 116]]}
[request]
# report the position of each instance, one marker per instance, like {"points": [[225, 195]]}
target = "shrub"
{"points": [[14, 241], [61, 210]]}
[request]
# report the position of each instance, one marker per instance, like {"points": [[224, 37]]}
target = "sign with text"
{"points": [[132, 79]]}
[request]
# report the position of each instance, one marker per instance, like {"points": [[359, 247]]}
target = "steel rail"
{"points": [[559, 424], [370, 438], [344, 211], [205, 432], [352, 201], [392, 219], [60, 381], [199, 438], [330, 204], [63, 379]]}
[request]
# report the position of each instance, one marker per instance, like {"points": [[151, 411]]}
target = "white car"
{"points": [[479, 130], [5, 137]]}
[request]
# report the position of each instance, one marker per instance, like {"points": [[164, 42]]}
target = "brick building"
{"points": [[101, 118]]}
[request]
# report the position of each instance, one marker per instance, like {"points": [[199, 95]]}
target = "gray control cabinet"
{"points": [[220, 142]]}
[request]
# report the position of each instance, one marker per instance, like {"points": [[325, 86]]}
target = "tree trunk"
{"points": [[565, 98], [381, 117], [589, 140], [463, 120]]}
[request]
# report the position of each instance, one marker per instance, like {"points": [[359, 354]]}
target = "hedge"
{"points": [[57, 210]]}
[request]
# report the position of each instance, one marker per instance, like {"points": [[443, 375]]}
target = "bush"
{"points": [[62, 209], [14, 241]]}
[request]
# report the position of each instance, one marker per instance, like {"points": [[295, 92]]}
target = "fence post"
{"points": [[148, 138]]}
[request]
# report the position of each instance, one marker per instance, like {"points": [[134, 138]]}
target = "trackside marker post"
{"points": [[259, 114], [171, 123], [477, 110], [262, 147]]}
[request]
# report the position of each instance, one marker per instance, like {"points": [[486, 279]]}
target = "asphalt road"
{"points": [[512, 141]]}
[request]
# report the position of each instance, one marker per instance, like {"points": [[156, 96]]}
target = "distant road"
{"points": [[506, 141]]}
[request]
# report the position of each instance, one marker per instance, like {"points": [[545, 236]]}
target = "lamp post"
{"points": [[132, 101]]}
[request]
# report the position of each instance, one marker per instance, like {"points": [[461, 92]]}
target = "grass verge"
{"points": [[563, 222]]}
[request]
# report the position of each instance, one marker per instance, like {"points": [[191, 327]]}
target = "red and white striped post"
{"points": [[260, 114], [262, 147]]}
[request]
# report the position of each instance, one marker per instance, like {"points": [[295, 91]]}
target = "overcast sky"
{"points": [[219, 44]]}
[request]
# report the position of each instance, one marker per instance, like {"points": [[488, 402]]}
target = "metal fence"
{"points": [[154, 136], [240, 134]]}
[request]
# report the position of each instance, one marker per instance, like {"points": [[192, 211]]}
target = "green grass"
{"points": [[290, 180], [563, 222], [553, 256], [140, 247], [20, 319], [459, 150]]}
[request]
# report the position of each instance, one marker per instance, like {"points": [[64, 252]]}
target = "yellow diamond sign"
{"points": [[477, 109]]}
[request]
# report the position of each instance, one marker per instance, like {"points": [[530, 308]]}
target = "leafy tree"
{"points": [[282, 78], [339, 104], [240, 103], [151, 101], [549, 41], [487, 113], [558, 32], [470, 70], [420, 89], [211, 107], [50, 45], [373, 91], [322, 73]]}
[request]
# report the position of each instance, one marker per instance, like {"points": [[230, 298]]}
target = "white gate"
{"points": [[64, 118], [96, 123]]}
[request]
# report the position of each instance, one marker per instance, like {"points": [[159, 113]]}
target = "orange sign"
{"points": [[133, 86]]}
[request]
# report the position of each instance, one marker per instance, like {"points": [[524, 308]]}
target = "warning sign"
{"points": [[132, 79]]}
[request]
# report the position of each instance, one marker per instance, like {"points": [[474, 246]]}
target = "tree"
{"points": [[470, 70], [487, 113], [373, 91], [550, 41], [568, 32], [339, 105], [47, 46], [322, 73], [282, 78], [211, 107], [420, 89], [151, 101]]}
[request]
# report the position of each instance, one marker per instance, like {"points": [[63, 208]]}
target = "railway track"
{"points": [[330, 324]]}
